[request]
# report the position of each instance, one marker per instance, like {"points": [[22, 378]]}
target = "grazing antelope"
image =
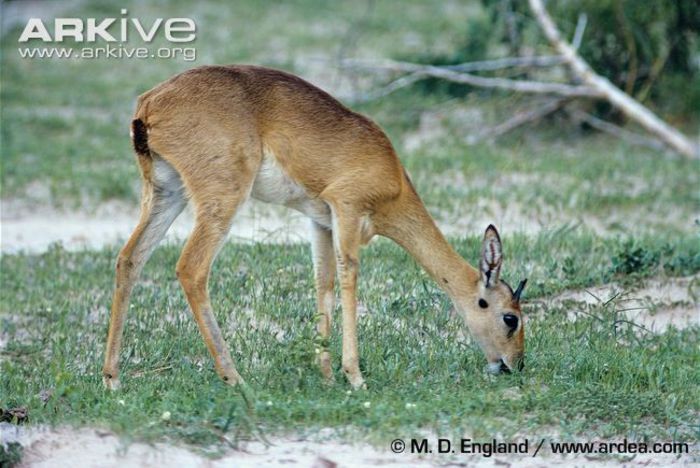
{"points": [[220, 134]]}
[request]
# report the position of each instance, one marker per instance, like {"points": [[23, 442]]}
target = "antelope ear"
{"points": [[519, 290], [491, 257]]}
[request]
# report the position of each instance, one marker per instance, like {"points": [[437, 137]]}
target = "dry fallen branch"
{"points": [[520, 119], [615, 130], [578, 33], [405, 80], [594, 86], [507, 62], [445, 73], [604, 88]]}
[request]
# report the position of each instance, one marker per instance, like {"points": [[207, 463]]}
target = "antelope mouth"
{"points": [[498, 367], [504, 369]]}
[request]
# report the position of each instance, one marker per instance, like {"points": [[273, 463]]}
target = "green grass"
{"points": [[55, 311]]}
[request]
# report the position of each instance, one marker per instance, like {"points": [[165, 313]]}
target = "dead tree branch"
{"points": [[507, 62], [616, 131], [402, 82], [520, 119], [506, 10], [604, 88], [445, 73], [593, 86], [580, 28]]}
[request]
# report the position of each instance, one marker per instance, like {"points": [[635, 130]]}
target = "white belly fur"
{"points": [[273, 185]]}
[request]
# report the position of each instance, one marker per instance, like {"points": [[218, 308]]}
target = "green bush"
{"points": [[648, 49], [10, 454], [636, 44], [635, 259]]}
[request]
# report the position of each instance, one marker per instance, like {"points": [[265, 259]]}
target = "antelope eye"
{"points": [[511, 321]]}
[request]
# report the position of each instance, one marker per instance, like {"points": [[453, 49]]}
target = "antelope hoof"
{"points": [[111, 383], [328, 378], [356, 381], [232, 380], [358, 384], [231, 377], [227, 372]]}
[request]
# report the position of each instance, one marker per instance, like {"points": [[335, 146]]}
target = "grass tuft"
{"points": [[592, 375]]}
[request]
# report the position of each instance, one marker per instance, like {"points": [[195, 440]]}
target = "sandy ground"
{"points": [[31, 224], [44, 447], [656, 304], [34, 228]]}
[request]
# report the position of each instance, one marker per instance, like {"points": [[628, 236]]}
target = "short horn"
{"points": [[519, 290]]}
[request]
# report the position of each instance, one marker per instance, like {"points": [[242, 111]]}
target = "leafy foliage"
{"points": [[648, 49], [633, 258], [645, 48], [10, 454]]}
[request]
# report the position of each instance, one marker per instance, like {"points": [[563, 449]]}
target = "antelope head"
{"points": [[493, 313]]}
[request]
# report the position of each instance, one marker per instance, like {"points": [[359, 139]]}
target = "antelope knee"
{"points": [[190, 278]]}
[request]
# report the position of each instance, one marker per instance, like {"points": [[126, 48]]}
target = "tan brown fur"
{"points": [[208, 133]]}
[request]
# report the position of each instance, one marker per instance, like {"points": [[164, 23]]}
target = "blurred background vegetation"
{"points": [[64, 120], [648, 49]]}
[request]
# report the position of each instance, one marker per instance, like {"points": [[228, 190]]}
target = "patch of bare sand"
{"points": [[45, 447], [656, 304], [32, 229]]}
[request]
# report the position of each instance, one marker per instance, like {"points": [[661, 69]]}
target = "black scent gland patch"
{"points": [[483, 304], [140, 137], [445, 281], [225, 379]]}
